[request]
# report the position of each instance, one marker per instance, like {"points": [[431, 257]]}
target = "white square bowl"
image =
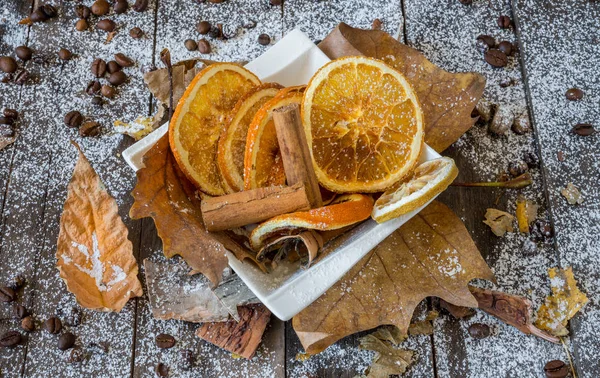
{"points": [[289, 289]]}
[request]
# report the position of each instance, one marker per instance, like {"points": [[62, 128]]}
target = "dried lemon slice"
{"points": [[428, 180]]}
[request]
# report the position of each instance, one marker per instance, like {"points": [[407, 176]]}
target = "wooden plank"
{"points": [[446, 32], [559, 41]]}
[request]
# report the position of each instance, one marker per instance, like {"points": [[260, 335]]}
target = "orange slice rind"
{"points": [[198, 121], [427, 181]]}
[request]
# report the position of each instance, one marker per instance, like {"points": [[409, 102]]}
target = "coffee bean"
{"points": [[204, 46], [121, 6], [24, 53], [73, 119], [161, 370], [264, 39], [106, 25], [97, 101], [140, 5], [504, 22], [521, 125], [21, 77], [165, 341], [124, 60], [12, 114], [81, 25], [64, 54], [117, 78], [38, 16], [481, 46], [108, 91], [215, 1], [517, 168], [496, 58], [93, 87], [7, 131], [20, 311], [215, 33], [190, 45], [574, 94], [556, 369], [99, 68], [10, 339], [49, 11], [100, 7], [75, 356], [90, 129], [28, 324], [583, 129], [113, 67], [136, 33], [203, 27], [186, 359], [479, 331], [6, 121], [377, 24], [53, 325], [506, 47], [66, 341], [7, 294], [275, 2], [466, 2], [82, 11], [8, 64], [488, 40]]}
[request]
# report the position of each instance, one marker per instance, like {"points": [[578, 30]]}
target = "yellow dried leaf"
{"points": [[526, 213], [137, 129], [564, 302], [499, 221], [95, 258], [387, 360], [425, 326]]}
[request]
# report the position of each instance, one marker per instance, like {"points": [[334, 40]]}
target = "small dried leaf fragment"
{"points": [[572, 194], [499, 221], [95, 258], [425, 326], [137, 129], [526, 213], [564, 302], [387, 360]]}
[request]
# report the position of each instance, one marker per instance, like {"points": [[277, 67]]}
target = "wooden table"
{"points": [[559, 44]]}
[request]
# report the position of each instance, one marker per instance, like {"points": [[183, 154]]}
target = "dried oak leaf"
{"points": [[95, 258], [387, 360], [431, 255], [447, 99], [499, 221], [163, 193], [564, 302]]}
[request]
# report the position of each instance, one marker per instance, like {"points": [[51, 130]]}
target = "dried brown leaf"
{"points": [[425, 326], [387, 360], [499, 221], [95, 258], [572, 194], [431, 255], [447, 99]]}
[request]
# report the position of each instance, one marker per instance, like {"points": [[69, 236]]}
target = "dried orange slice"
{"points": [[427, 181], [344, 211], [232, 143], [363, 124], [199, 118], [262, 160]]}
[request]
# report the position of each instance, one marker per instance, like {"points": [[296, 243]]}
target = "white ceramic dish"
{"points": [[289, 289]]}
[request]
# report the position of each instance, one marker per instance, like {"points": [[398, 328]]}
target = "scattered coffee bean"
{"points": [[583, 129], [12, 114], [186, 359], [488, 40], [99, 68], [521, 125], [275, 2], [506, 47], [496, 58], [504, 22], [574, 94], [66, 341], [165, 341], [38, 16], [113, 67], [108, 91], [24, 53], [6, 121], [73, 119], [106, 25], [517, 168], [49, 11], [90, 129], [121, 6], [481, 46], [117, 78], [531, 159], [82, 11], [8, 64], [203, 27], [21, 77], [124, 60], [466, 2], [161, 370], [7, 294], [501, 122], [93, 87], [479, 330], [97, 101], [28, 324], [204, 46], [53, 325], [76, 355], [541, 230], [215, 33], [20, 311], [377, 24], [215, 1], [507, 82], [560, 156], [64, 54], [264, 39], [136, 33], [556, 369], [10, 339], [140, 5], [190, 45], [81, 25], [100, 7]]}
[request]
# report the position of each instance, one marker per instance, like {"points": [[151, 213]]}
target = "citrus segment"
{"points": [[344, 211], [198, 121], [232, 143], [427, 181], [363, 124]]}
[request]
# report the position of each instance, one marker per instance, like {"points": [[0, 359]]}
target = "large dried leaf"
{"points": [[447, 99], [163, 193], [431, 255], [95, 258]]}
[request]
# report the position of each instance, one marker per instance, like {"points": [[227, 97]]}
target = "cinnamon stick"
{"points": [[295, 153], [252, 206]]}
